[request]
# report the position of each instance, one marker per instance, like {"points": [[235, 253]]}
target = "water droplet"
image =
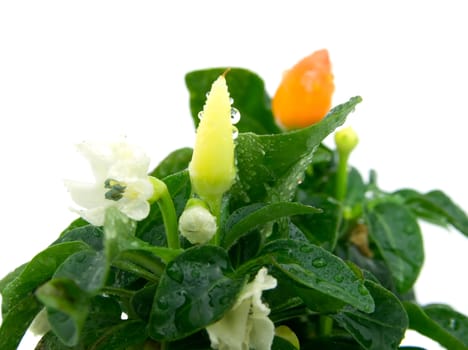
{"points": [[195, 273], [207, 94], [235, 115], [231, 100], [123, 316], [306, 249], [319, 262], [235, 132], [338, 278], [162, 303], [200, 115], [362, 290], [175, 272], [453, 324]]}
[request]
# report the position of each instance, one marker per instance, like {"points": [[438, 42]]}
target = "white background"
{"points": [[74, 71]]}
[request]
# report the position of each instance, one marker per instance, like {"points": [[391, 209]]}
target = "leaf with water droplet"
{"points": [[197, 288], [384, 328], [441, 323], [397, 235], [279, 160], [246, 219], [313, 272]]}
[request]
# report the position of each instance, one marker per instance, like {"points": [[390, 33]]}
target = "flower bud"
{"points": [[212, 170], [304, 96], [196, 223], [346, 140]]}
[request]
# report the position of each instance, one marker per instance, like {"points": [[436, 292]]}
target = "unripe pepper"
{"points": [[304, 95], [212, 169]]}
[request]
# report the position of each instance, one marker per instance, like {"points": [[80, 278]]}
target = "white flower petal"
{"points": [[262, 333], [86, 195], [229, 333], [135, 209], [246, 326]]}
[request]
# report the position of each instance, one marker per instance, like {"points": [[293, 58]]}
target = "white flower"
{"points": [[196, 223], [121, 174], [246, 326]]}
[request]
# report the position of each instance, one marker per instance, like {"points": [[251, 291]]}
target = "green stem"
{"points": [[342, 176], [215, 208], [325, 325], [166, 205]]}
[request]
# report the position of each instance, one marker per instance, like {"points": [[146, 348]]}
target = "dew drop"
{"points": [[453, 324], [231, 100], [162, 303], [235, 132], [175, 272], [200, 115], [235, 115], [338, 278], [207, 94], [306, 249], [319, 262], [362, 290]]}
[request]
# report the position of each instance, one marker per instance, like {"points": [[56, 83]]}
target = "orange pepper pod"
{"points": [[304, 96]]}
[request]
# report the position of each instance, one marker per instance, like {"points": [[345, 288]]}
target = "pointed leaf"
{"points": [[270, 167], [67, 308], [382, 329], [16, 322], [441, 323], [37, 271], [245, 219], [436, 207], [195, 291], [398, 238], [314, 268]]}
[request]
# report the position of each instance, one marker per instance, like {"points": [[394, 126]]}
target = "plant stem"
{"points": [[215, 207], [166, 205], [325, 325], [342, 176]]}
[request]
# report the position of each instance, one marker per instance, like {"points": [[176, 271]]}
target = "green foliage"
{"points": [[345, 267]]}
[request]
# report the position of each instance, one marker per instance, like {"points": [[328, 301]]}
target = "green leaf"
{"points": [[270, 167], [398, 238], [67, 308], [245, 219], [104, 315], [176, 161], [435, 207], [89, 234], [282, 344], [119, 232], [87, 268], [195, 291], [37, 271], [323, 228], [248, 92], [382, 329], [16, 322], [121, 336], [314, 268], [441, 323]]}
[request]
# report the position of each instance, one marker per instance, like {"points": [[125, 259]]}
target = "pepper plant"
{"points": [[261, 237]]}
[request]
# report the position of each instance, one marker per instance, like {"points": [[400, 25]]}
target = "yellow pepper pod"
{"points": [[212, 169]]}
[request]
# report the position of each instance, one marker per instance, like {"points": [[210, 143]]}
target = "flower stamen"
{"points": [[116, 189]]}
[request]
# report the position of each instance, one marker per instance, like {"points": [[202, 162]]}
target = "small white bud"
{"points": [[196, 223]]}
